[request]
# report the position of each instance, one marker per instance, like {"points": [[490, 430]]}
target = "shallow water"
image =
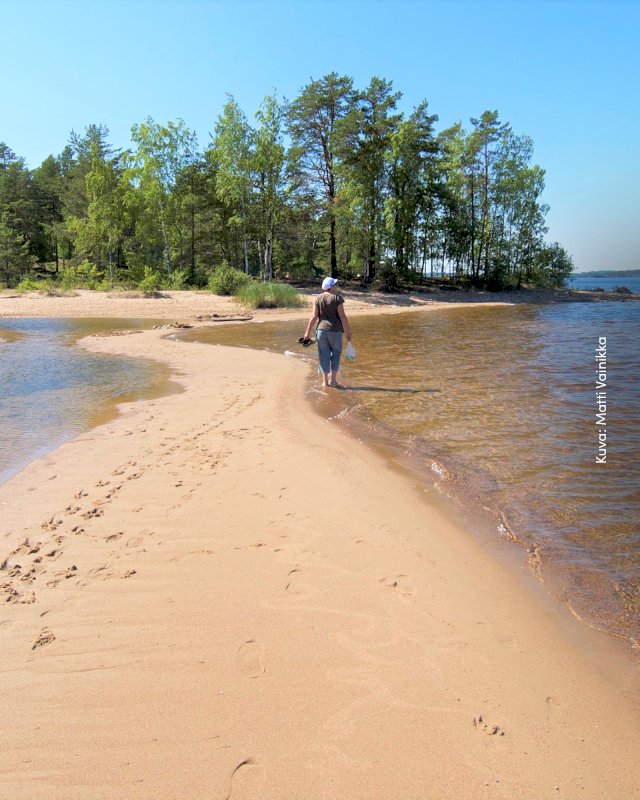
{"points": [[497, 405], [52, 390]]}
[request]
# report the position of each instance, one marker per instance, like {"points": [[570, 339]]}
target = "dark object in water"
{"points": [[622, 290], [223, 318]]}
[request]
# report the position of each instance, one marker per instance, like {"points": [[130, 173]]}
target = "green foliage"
{"points": [[84, 275], [269, 295], [314, 126], [14, 251], [358, 190], [387, 278], [226, 280], [178, 280], [151, 282], [68, 278], [29, 285], [552, 267]]}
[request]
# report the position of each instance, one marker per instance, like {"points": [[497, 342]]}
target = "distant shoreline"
{"points": [[607, 273]]}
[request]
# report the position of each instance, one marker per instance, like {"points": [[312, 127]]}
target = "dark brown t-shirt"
{"points": [[327, 311]]}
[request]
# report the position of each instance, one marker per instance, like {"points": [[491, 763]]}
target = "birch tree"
{"points": [[154, 166], [230, 154], [268, 167]]}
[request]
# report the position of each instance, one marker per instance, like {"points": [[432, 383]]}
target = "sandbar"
{"points": [[219, 594]]}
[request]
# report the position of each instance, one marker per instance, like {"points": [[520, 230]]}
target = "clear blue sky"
{"points": [[564, 72]]}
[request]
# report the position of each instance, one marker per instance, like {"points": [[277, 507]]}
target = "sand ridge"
{"points": [[219, 595]]}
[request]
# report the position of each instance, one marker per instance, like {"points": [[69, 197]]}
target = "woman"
{"points": [[332, 322]]}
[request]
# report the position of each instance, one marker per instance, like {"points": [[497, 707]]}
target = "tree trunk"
{"points": [[165, 239], [332, 245], [192, 264], [245, 253]]}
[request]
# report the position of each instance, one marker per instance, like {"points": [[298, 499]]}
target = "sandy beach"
{"points": [[187, 306], [221, 595]]}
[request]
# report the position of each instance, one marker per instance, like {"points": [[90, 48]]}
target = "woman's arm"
{"points": [[310, 324], [345, 322]]}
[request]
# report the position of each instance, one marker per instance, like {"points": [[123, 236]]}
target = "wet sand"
{"points": [[220, 595]]}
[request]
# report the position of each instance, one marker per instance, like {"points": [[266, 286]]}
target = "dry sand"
{"points": [[185, 306], [219, 595]]}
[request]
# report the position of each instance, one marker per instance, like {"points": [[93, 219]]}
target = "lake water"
{"points": [[51, 390], [608, 284], [496, 406]]}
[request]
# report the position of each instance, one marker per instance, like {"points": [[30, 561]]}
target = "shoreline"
{"points": [[199, 615], [189, 305]]}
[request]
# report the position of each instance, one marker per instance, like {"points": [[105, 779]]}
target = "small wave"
{"points": [[505, 530], [440, 471], [345, 412]]}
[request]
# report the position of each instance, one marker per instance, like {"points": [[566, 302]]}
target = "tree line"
{"points": [[336, 182]]}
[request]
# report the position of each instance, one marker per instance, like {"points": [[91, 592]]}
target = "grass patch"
{"points": [[269, 295], [43, 287], [135, 294]]}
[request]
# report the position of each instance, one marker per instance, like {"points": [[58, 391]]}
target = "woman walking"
{"points": [[332, 322]]}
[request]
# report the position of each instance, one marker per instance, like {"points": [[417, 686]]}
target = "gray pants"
{"points": [[329, 350]]}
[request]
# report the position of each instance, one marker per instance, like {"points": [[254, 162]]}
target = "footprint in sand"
{"points": [[103, 573], [487, 728], [45, 637], [70, 572], [250, 661], [9, 594], [242, 777], [400, 585], [51, 524], [293, 585]]}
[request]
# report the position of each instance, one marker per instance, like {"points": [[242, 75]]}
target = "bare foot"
{"points": [[336, 385]]}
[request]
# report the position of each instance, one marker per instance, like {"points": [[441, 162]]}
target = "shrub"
{"points": [[84, 275], [29, 285], [68, 278], [177, 280], [227, 280], [269, 295], [150, 283], [387, 278]]}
